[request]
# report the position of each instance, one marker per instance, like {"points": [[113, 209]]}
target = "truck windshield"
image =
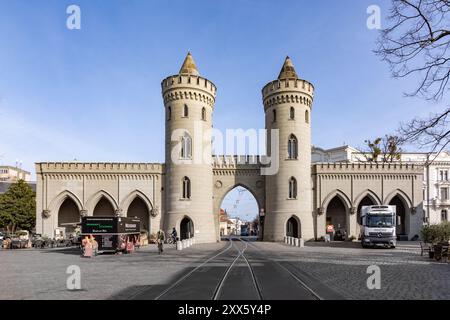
{"points": [[375, 221]]}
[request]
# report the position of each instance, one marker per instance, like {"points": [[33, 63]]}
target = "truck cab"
{"points": [[378, 226]]}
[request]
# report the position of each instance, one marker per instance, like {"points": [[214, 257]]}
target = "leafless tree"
{"points": [[417, 43]]}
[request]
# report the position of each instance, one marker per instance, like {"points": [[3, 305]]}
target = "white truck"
{"points": [[378, 226]]}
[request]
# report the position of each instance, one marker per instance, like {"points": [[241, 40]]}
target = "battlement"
{"points": [[288, 91], [220, 161], [191, 87], [98, 167], [366, 167]]}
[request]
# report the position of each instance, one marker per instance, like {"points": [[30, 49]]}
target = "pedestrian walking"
{"points": [[160, 238]]}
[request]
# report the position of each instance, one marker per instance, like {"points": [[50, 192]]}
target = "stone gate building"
{"points": [[186, 191]]}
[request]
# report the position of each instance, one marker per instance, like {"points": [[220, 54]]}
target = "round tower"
{"points": [[189, 101], [287, 105]]}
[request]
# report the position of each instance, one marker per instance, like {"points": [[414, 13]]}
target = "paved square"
{"points": [[341, 267]]}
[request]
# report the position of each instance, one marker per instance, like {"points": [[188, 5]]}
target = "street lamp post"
{"points": [[428, 188], [262, 215]]}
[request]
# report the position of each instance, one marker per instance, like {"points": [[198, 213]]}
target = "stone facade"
{"points": [[186, 191]]}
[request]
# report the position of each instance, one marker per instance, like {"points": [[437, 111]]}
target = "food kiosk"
{"points": [[113, 234]]}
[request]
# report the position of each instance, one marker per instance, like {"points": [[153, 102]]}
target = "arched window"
{"points": [[186, 146], [186, 111], [204, 114], [292, 113], [292, 188], [186, 188], [274, 115], [169, 113], [292, 147], [307, 116]]}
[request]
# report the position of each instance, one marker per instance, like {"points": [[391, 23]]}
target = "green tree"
{"points": [[386, 149], [18, 207]]}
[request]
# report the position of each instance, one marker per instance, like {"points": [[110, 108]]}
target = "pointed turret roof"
{"points": [[189, 66], [288, 70]]}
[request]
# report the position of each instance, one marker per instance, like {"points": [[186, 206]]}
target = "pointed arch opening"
{"points": [[292, 188], [68, 215], [186, 146], [239, 213], [104, 208], [400, 205], [139, 209], [336, 215], [186, 186], [292, 147], [186, 228], [293, 227]]}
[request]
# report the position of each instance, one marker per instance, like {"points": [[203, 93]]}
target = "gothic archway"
{"points": [[239, 203], [293, 227], [186, 228], [401, 212], [103, 208], [68, 215], [337, 215], [138, 208]]}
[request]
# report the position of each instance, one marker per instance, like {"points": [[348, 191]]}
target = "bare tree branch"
{"points": [[418, 42]]}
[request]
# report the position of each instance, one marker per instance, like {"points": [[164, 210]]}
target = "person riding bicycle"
{"points": [[174, 235], [160, 238]]}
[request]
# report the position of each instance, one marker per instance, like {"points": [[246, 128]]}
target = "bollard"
{"points": [[179, 245], [183, 242], [296, 242], [290, 241], [301, 243], [286, 239], [189, 242]]}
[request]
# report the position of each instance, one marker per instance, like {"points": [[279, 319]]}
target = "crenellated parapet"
{"points": [[103, 168], [368, 171], [236, 166], [233, 160], [191, 87], [288, 91]]}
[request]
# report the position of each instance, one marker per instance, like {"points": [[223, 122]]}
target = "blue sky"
{"points": [[94, 94]]}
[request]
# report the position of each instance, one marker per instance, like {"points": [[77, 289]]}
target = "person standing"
{"points": [[174, 235], [330, 231], [160, 238]]}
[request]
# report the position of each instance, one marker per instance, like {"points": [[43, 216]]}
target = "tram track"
{"points": [[316, 295], [254, 281], [176, 283], [241, 271]]}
